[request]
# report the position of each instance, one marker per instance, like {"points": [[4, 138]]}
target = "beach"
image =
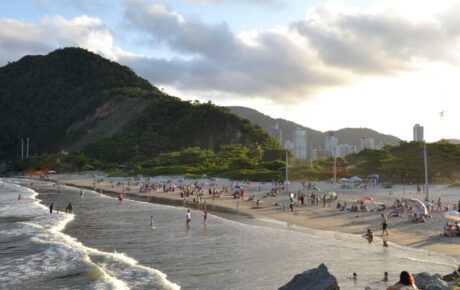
{"points": [[108, 244], [425, 236]]}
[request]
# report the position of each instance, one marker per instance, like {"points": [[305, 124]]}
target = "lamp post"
{"points": [[425, 161]]}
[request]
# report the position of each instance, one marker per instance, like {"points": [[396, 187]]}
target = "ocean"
{"points": [[106, 244]]}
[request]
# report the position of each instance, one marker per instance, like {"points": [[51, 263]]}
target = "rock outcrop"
{"points": [[313, 279], [426, 281]]}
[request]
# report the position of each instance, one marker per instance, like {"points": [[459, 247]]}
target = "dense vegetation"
{"points": [[404, 163], [71, 95]]}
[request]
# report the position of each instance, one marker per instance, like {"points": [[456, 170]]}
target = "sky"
{"points": [[383, 64]]}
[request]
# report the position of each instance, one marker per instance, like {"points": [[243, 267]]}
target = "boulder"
{"points": [[313, 279], [426, 281]]}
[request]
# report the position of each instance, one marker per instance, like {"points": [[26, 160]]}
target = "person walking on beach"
{"points": [[291, 204], [384, 224], [188, 218]]}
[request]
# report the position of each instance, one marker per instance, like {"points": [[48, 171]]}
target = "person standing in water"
{"points": [[51, 207], [81, 193], [151, 220], [205, 218], [384, 224], [188, 218]]}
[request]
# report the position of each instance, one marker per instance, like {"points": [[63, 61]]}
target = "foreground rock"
{"points": [[427, 281], [313, 279]]}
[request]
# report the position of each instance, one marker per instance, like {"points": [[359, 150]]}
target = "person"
{"points": [[19, 197], [151, 220], [81, 193], [385, 277], [384, 224], [406, 282], [205, 218], [369, 236], [291, 204], [188, 218], [69, 208], [51, 207]]}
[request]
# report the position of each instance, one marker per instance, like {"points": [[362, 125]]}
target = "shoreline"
{"points": [[312, 217]]}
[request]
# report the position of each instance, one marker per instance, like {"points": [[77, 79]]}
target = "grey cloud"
{"points": [[377, 44], [274, 67]]}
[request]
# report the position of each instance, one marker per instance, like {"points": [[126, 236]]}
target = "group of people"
{"points": [[406, 281], [452, 230]]}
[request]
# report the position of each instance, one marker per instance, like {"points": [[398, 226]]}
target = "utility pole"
{"points": [[287, 190], [27, 150], [22, 148], [335, 164], [425, 161]]}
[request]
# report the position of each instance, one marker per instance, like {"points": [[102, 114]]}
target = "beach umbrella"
{"points": [[419, 205], [452, 215], [428, 203], [368, 200], [332, 194], [237, 186]]}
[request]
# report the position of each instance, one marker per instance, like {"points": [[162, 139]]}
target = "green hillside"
{"points": [[77, 101]]}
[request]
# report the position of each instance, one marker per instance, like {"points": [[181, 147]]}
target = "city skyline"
{"points": [[384, 65]]}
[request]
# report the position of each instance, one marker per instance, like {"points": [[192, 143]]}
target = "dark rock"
{"points": [[313, 279], [426, 281]]}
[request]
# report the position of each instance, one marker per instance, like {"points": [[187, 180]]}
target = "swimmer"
{"points": [[369, 236], [385, 277]]}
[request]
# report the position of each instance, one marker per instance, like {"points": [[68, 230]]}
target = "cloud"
{"points": [[332, 46], [19, 38], [378, 43], [274, 63]]}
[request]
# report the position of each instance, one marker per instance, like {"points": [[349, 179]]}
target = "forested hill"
{"points": [[350, 136], [72, 99]]}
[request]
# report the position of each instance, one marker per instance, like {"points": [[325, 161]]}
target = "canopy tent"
{"points": [[355, 179], [452, 215], [419, 205]]}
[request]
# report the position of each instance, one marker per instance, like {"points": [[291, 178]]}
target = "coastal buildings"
{"points": [[299, 137], [275, 133], [345, 149], [288, 145], [418, 133], [367, 143], [330, 143]]}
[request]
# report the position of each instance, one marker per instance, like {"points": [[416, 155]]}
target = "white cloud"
{"points": [[20, 38]]}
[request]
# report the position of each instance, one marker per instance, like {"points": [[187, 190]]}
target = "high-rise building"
{"points": [[320, 154], [367, 143], [418, 133], [330, 144], [299, 137], [288, 145], [275, 133], [345, 149]]}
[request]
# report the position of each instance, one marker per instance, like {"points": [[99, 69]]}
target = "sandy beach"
{"points": [[426, 236]]}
